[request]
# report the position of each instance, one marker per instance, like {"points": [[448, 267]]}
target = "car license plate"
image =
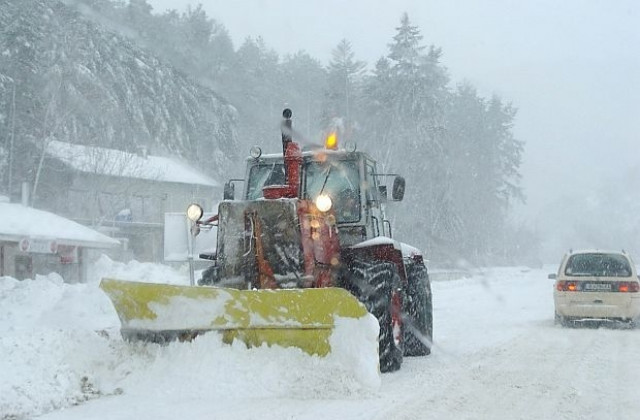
{"points": [[597, 287]]}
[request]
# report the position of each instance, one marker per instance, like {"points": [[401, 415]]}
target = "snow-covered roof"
{"points": [[18, 222], [113, 162]]}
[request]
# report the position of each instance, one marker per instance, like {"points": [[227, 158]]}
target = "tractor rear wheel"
{"points": [[418, 315], [375, 284]]}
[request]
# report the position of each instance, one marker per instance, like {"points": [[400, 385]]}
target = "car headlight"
{"points": [[194, 212], [323, 202]]}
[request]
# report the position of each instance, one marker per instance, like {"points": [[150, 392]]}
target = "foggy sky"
{"points": [[571, 67]]}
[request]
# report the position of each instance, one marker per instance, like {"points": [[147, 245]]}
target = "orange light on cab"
{"points": [[332, 141]]}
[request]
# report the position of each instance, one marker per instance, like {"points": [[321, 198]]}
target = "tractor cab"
{"points": [[300, 215], [346, 182]]}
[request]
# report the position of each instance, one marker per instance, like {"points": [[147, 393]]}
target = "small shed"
{"points": [[34, 241]]}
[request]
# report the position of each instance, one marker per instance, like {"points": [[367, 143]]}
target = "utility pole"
{"points": [[12, 137]]}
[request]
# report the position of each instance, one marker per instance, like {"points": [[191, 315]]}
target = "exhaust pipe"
{"points": [[292, 162]]}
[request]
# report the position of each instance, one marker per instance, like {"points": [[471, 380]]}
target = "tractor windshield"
{"points": [[340, 180], [263, 175]]}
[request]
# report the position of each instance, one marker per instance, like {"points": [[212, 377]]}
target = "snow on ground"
{"points": [[60, 347], [497, 355]]}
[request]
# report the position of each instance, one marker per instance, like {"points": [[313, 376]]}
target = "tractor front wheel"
{"points": [[376, 285], [418, 312]]}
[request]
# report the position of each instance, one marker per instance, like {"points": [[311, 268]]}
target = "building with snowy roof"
{"points": [[122, 194], [34, 241]]}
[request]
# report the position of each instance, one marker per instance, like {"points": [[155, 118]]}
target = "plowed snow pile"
{"points": [[60, 346]]}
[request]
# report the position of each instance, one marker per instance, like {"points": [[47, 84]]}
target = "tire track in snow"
{"points": [[547, 372]]}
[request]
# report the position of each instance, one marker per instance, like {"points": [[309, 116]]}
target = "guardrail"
{"points": [[447, 275]]}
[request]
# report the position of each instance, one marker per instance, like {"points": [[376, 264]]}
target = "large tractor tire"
{"points": [[418, 312], [376, 284]]}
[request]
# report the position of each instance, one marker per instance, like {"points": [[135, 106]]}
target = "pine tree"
{"points": [[343, 89], [257, 80], [378, 105], [417, 95], [304, 83], [406, 49], [21, 34]]}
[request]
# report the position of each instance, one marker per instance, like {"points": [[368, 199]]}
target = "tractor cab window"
{"points": [[371, 186], [340, 181], [263, 175]]}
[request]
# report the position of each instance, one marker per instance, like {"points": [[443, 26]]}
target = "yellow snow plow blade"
{"points": [[302, 318]]}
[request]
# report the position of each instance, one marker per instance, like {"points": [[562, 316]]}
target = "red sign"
{"points": [[38, 246], [24, 245]]}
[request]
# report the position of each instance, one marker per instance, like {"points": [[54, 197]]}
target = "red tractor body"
{"points": [[316, 219]]}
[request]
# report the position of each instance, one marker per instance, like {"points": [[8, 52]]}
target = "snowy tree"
{"points": [[473, 169], [139, 15], [484, 171], [258, 86], [7, 123], [343, 88], [304, 80], [410, 93], [378, 104], [460, 147], [20, 36], [205, 47], [77, 82]]}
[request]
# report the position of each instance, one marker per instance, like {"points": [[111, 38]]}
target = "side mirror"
{"points": [[552, 276], [382, 193], [398, 188], [229, 192]]}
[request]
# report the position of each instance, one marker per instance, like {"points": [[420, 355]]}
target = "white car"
{"points": [[593, 285]]}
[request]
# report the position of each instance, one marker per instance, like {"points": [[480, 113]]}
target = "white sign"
{"points": [[38, 246], [177, 229]]}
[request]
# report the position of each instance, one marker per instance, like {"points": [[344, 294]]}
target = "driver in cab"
{"points": [[348, 206]]}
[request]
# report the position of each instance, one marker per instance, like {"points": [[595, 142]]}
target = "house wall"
{"points": [[24, 265], [99, 198], [96, 201]]}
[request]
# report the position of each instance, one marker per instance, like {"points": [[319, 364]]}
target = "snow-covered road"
{"points": [[501, 356], [497, 355]]}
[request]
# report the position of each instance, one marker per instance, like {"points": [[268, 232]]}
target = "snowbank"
{"points": [[60, 346]]}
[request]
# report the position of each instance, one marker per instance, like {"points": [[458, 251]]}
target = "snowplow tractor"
{"points": [[306, 244]]}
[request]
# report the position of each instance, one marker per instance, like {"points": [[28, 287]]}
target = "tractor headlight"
{"points": [[194, 212], [323, 202]]}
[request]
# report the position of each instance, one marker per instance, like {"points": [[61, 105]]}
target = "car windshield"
{"points": [[339, 180], [598, 264], [263, 175]]}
